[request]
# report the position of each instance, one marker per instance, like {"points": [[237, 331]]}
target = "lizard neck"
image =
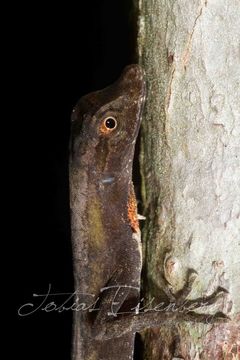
{"points": [[104, 201], [112, 192], [109, 186]]}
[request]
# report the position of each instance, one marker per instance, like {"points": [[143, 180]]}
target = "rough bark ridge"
{"points": [[190, 166]]}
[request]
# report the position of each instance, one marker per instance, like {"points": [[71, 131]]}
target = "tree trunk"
{"points": [[190, 149]]}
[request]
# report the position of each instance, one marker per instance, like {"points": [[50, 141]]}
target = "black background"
{"points": [[58, 54]]}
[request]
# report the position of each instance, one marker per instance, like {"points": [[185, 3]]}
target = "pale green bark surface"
{"points": [[190, 163]]}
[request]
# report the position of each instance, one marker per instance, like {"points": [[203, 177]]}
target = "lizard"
{"points": [[104, 225]]}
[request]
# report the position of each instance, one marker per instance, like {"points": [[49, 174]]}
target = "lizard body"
{"points": [[105, 233], [104, 225]]}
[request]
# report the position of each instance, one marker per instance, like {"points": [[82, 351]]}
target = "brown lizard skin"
{"points": [[105, 233]]}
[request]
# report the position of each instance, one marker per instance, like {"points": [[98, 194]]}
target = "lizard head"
{"points": [[105, 123]]}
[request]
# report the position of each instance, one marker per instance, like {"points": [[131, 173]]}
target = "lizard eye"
{"points": [[108, 125]]}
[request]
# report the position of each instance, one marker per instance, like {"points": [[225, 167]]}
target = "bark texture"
{"points": [[190, 164]]}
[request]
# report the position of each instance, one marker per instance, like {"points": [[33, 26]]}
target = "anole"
{"points": [[104, 224]]}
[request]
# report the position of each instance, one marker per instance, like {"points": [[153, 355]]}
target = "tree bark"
{"points": [[190, 149]]}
